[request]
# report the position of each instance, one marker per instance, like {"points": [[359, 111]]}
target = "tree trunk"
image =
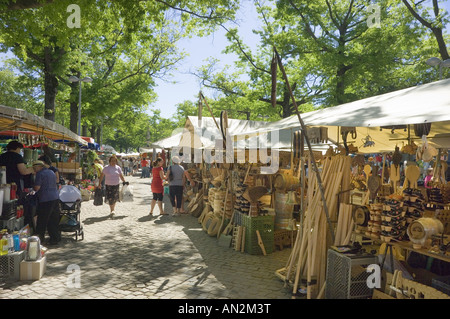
{"points": [[50, 86], [441, 43], [74, 107], [286, 104], [95, 131], [84, 130], [342, 69], [98, 137], [340, 85]]}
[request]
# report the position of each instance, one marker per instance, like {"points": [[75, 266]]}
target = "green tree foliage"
{"points": [[331, 51], [123, 45]]}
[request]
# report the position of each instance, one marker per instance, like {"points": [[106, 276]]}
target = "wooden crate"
{"points": [[66, 165]]}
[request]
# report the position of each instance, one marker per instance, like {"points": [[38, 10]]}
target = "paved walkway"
{"points": [[161, 257]]}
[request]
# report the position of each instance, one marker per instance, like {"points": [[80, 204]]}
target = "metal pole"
{"points": [[308, 142], [79, 111]]}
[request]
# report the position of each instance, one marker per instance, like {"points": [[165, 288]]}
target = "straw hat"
{"points": [[176, 160], [38, 163]]}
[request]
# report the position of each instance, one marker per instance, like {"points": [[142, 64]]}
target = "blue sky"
{"points": [[200, 49]]}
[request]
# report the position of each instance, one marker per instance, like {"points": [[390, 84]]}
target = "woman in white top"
{"points": [[113, 175]]}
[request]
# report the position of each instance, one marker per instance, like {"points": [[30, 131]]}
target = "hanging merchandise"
{"points": [[27, 155], [426, 152], [367, 141]]}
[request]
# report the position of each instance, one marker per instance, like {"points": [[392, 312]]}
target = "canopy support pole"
{"points": [[316, 170]]}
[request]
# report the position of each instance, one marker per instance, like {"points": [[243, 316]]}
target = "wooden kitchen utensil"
{"points": [[394, 176], [367, 170], [412, 173], [373, 185]]}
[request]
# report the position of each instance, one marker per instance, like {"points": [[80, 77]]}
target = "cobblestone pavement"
{"points": [[135, 256]]}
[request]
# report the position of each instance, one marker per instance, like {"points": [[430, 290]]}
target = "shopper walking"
{"points": [[157, 185], [177, 179], [130, 166], [144, 168], [125, 166], [112, 174], [47, 210]]}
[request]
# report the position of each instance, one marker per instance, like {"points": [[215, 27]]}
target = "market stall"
{"points": [[374, 195], [21, 255]]}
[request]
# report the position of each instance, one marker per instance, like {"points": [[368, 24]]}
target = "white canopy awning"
{"points": [[428, 103]]}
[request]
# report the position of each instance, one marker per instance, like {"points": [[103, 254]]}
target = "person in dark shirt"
{"points": [[47, 211], [15, 165]]}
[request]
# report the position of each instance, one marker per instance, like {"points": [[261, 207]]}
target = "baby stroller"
{"points": [[70, 209]]}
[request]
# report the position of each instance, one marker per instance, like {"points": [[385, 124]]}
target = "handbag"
{"points": [[98, 197]]}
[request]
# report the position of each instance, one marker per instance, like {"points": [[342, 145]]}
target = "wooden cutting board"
{"points": [[412, 174]]}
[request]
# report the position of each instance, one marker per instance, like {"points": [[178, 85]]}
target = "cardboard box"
{"points": [[33, 270]]}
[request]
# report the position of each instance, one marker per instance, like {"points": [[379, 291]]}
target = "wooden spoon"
{"points": [[395, 176], [367, 170]]}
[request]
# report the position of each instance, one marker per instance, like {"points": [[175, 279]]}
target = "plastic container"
{"points": [[4, 245], [10, 243], [16, 240], [13, 191], [6, 192], [1, 245], [3, 175]]}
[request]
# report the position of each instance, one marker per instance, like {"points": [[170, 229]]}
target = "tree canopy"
{"points": [[333, 52]]}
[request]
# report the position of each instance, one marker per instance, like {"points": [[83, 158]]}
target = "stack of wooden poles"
{"points": [[308, 258]]}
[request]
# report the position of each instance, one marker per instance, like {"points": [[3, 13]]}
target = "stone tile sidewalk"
{"points": [[135, 256]]}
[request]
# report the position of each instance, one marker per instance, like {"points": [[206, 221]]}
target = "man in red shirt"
{"points": [[145, 169]]}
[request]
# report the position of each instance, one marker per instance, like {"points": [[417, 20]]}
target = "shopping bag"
{"points": [[98, 197], [126, 193]]}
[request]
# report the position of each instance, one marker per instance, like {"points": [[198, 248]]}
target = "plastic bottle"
{"points": [[3, 174], [10, 243], [7, 193], [19, 211], [4, 245], [16, 239], [1, 244], [13, 191]]}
